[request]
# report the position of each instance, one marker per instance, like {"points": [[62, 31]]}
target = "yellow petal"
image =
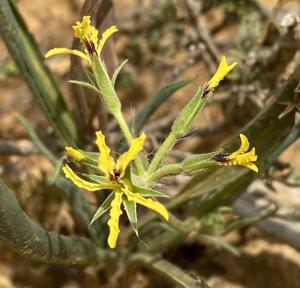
{"points": [[81, 183], [251, 166], [222, 71], [74, 153], [106, 34], [113, 222], [57, 51], [85, 31], [149, 203], [135, 147], [80, 28], [105, 162], [243, 147]]}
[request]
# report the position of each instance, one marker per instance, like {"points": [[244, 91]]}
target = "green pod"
{"points": [[199, 163], [188, 115], [108, 94]]}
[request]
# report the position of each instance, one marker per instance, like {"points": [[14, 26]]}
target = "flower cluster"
{"points": [[125, 181]]}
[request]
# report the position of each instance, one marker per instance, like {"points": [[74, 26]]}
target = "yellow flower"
{"points": [[115, 179], [222, 71], [75, 154], [240, 157], [88, 36]]}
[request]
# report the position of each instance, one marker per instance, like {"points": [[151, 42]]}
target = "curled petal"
{"points": [[57, 51], [105, 162], [113, 222], [221, 72], [149, 203], [135, 147], [81, 183], [243, 147], [106, 34], [75, 154]]}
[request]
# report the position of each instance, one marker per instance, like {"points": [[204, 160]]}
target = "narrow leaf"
{"points": [[96, 178], [148, 192], [117, 71], [130, 208], [36, 140], [85, 84], [105, 206]]}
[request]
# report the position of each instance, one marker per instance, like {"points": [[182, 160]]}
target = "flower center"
{"points": [[115, 176], [221, 158]]}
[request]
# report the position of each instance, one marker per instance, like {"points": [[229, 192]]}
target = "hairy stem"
{"points": [[163, 150], [128, 136], [171, 169]]}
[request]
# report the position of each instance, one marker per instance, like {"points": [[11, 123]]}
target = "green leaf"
{"points": [[36, 140], [105, 206], [154, 102], [240, 223], [117, 71], [130, 208], [96, 178], [57, 169], [85, 84], [148, 192]]}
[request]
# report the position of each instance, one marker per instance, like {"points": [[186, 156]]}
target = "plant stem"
{"points": [[128, 136], [28, 238], [163, 150], [170, 271], [171, 169]]}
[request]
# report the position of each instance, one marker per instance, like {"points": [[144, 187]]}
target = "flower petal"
{"points": [[221, 72], [106, 34], [105, 162], [251, 166], [57, 51], [135, 147], [81, 183], [113, 222], [75, 154], [243, 147], [149, 203]]}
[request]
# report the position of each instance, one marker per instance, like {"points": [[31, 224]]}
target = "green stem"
{"points": [[172, 169], [128, 136], [163, 150], [28, 238], [169, 271]]}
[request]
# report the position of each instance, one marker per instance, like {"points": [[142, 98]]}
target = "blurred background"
{"points": [[164, 41]]}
